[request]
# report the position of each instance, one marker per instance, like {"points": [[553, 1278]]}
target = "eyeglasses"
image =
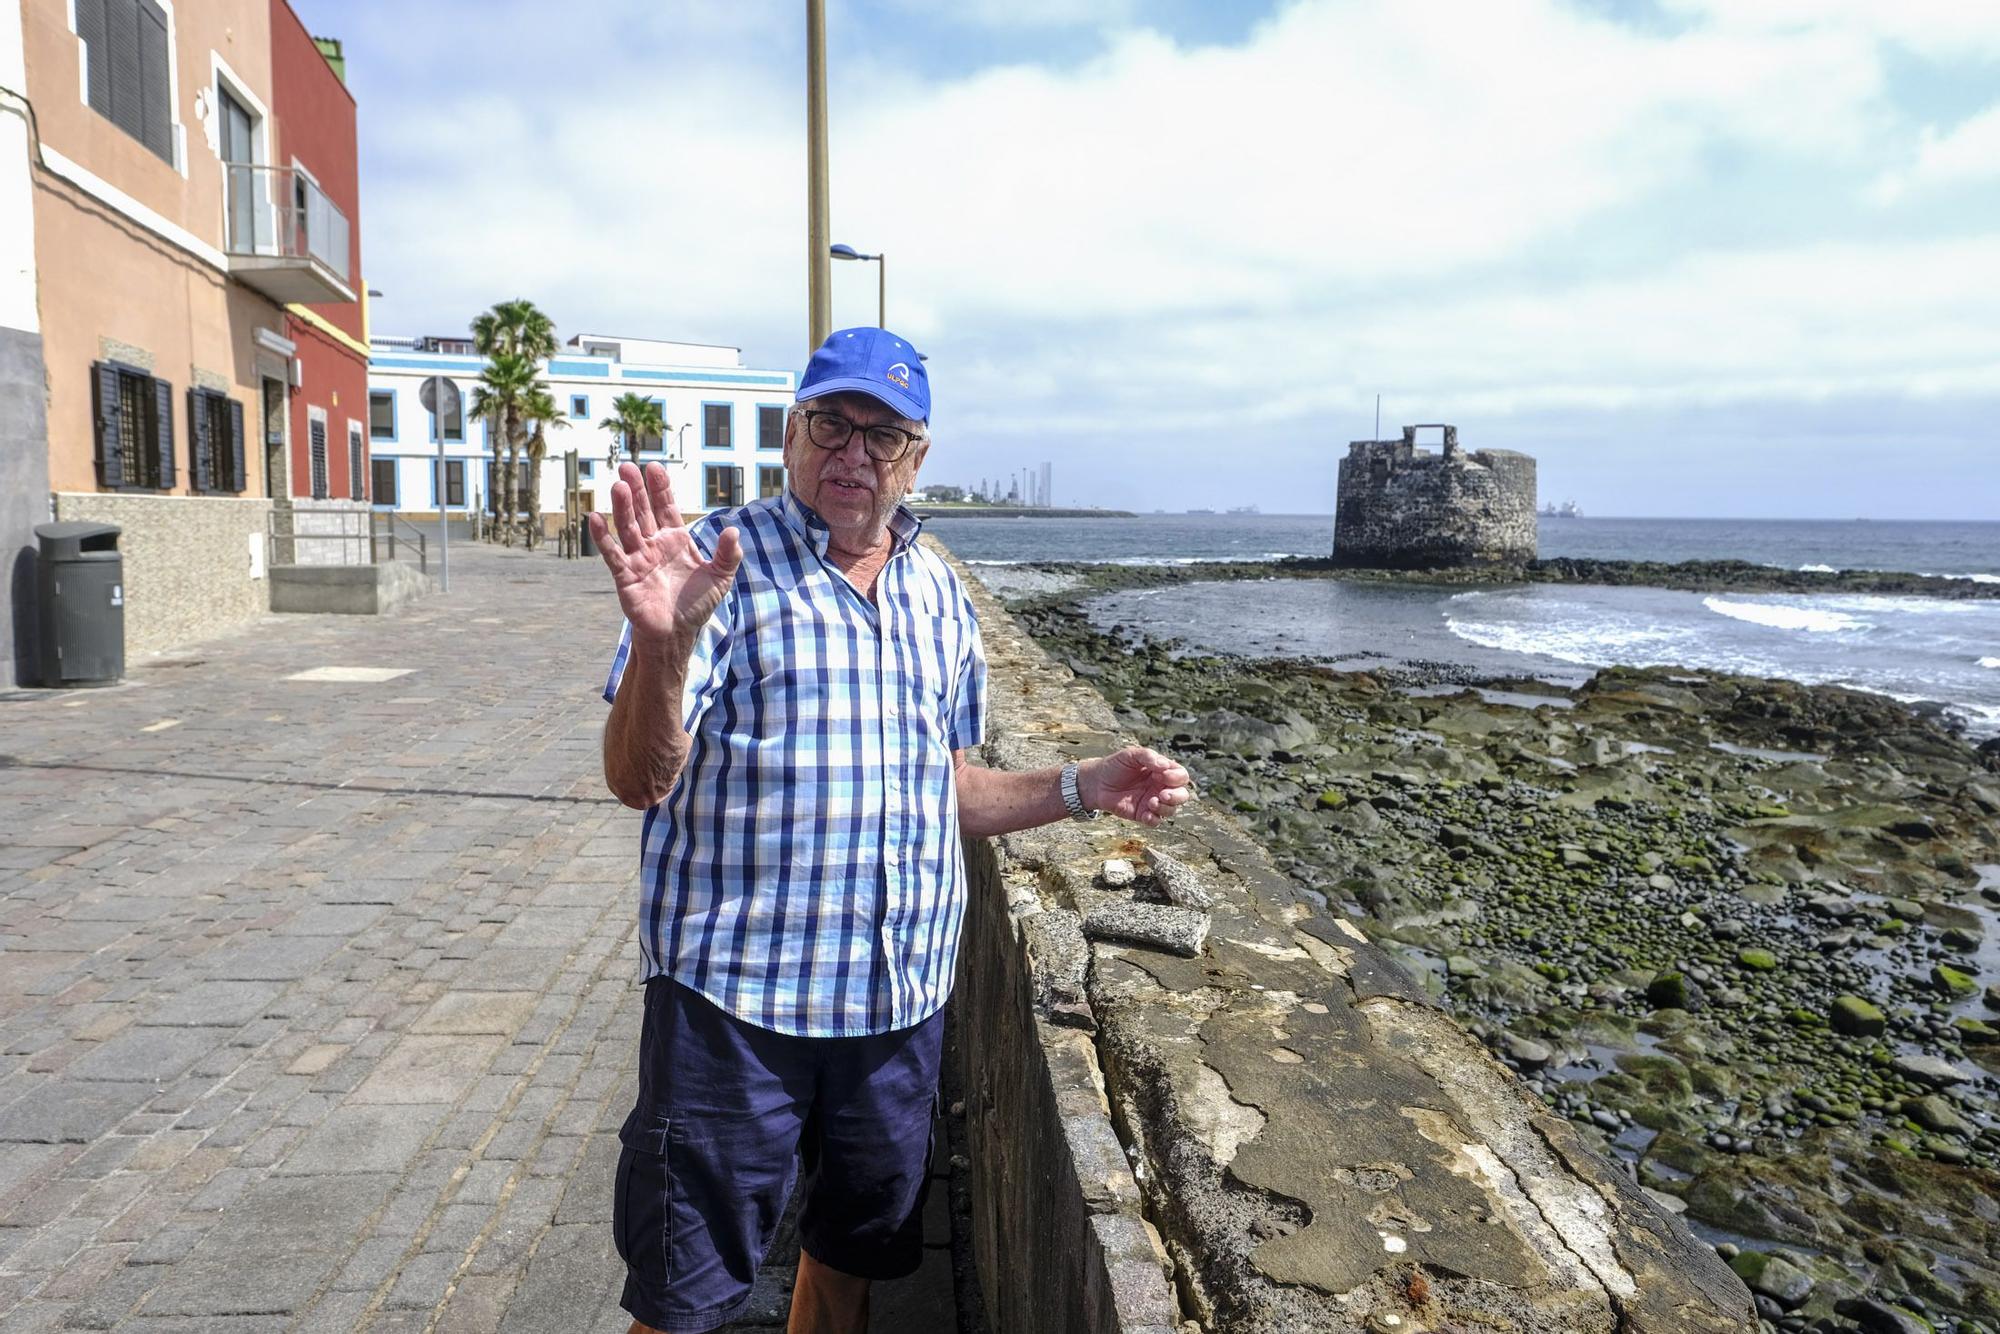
{"points": [[884, 444]]}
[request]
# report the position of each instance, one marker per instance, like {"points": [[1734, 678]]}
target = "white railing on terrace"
{"points": [[281, 213]]}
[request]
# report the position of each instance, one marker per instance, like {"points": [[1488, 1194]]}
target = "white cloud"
{"points": [[1968, 153], [1363, 194]]}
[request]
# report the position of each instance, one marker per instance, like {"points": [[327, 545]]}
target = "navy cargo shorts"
{"points": [[727, 1114]]}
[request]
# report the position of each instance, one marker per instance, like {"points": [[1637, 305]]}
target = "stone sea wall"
{"points": [[1198, 1100]]}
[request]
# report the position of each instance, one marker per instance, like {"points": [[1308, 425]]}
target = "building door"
{"points": [[240, 190], [277, 484]]}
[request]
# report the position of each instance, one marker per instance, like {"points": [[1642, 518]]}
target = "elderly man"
{"points": [[792, 700]]}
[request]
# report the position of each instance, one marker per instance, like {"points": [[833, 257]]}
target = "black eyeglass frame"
{"points": [[909, 438]]}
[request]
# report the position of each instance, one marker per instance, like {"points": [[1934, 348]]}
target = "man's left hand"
{"points": [[1135, 784]]}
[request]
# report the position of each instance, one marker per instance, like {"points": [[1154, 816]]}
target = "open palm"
{"points": [[1137, 784], [666, 588]]}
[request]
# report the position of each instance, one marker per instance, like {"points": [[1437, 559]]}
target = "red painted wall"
{"points": [[315, 119]]}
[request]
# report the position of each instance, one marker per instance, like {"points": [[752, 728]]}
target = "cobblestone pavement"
{"points": [[318, 994]]}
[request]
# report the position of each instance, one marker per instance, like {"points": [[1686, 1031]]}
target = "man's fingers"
{"points": [[642, 506], [728, 554], [623, 511], [661, 488], [600, 533]]}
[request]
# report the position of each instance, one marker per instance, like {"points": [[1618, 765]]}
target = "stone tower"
{"points": [[1401, 507]]}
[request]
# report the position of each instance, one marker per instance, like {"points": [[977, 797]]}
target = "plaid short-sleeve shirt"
{"points": [[805, 872]]}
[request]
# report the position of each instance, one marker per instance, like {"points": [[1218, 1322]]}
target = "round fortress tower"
{"points": [[1401, 507]]}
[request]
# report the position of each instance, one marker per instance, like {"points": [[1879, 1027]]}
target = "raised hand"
{"points": [[665, 588], [1135, 783]]}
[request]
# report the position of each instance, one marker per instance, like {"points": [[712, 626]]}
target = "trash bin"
{"points": [[81, 574], [586, 544]]}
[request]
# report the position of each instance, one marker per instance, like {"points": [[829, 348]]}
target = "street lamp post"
{"points": [[881, 278], [819, 274]]}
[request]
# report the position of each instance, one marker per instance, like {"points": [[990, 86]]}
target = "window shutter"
{"points": [[121, 25], [156, 128], [736, 486], [236, 459], [198, 442], [110, 460], [163, 432], [96, 53], [317, 430]]}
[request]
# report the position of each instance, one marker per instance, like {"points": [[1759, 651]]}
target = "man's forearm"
{"points": [[645, 743], [998, 801]]}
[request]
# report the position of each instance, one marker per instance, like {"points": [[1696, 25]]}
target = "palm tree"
{"points": [[513, 336], [541, 411], [635, 418], [506, 389]]}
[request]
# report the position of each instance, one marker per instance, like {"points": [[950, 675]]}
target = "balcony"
{"points": [[283, 236]]}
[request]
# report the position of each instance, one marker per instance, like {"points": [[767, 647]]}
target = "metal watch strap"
{"points": [[1073, 797]]}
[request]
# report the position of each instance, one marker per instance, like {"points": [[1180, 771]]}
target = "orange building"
{"points": [[184, 245]]}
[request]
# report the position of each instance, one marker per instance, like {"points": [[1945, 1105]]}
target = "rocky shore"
{"points": [[1710, 576], [1745, 932]]}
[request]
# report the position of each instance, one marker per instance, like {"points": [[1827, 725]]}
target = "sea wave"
{"points": [[1990, 662], [1776, 616], [1817, 569], [1975, 578]]}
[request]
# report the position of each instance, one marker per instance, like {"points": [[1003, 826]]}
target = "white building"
{"points": [[725, 423]]}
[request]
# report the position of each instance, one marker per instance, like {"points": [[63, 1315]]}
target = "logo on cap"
{"points": [[899, 375]]}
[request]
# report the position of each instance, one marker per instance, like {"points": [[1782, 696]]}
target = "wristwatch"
{"points": [[1072, 798]]}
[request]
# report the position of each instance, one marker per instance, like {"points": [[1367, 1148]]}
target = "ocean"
{"points": [[1914, 649]]}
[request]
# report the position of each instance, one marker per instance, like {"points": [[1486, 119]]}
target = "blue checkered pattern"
{"points": [[805, 872]]}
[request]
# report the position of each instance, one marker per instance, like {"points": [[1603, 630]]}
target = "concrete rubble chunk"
{"points": [[1176, 930], [1181, 883], [1118, 872]]}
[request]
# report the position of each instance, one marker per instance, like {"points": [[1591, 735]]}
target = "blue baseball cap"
{"points": [[873, 362]]}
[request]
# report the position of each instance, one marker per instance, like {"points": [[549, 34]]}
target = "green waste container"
{"points": [[81, 574]]}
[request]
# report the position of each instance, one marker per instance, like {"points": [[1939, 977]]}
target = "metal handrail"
{"points": [[280, 212], [393, 518], [363, 530]]}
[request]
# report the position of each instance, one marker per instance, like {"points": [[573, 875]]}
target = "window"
{"points": [[381, 414], [385, 481], [135, 429], [715, 425], [721, 486], [215, 441], [579, 405], [586, 468], [317, 430], [454, 483], [770, 482], [357, 472], [652, 440], [770, 427], [128, 76]]}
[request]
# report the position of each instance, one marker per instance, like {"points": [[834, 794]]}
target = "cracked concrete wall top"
{"points": [[1318, 1145]]}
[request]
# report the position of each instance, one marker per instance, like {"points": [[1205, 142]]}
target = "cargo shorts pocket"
{"points": [[642, 1208]]}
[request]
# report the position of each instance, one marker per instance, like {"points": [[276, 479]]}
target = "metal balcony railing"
{"points": [[281, 213]]}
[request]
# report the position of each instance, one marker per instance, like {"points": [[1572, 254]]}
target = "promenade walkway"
{"points": [[318, 1003]]}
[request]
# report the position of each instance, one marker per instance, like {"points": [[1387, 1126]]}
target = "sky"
{"points": [[1733, 258]]}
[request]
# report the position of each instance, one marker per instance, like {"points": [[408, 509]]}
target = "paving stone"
{"points": [[75, 1112], [353, 1138], [157, 1054], [333, 919], [476, 1012], [573, 1280], [213, 1003], [272, 1252], [428, 1069], [272, 958]]}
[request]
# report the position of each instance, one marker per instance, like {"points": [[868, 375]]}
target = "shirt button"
{"points": [[893, 858]]}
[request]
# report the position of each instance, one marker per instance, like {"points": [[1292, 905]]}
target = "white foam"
{"points": [[1975, 578], [1990, 662], [1817, 569], [1813, 620]]}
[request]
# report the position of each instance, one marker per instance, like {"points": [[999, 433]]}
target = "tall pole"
{"points": [[819, 265], [1378, 417], [881, 291]]}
